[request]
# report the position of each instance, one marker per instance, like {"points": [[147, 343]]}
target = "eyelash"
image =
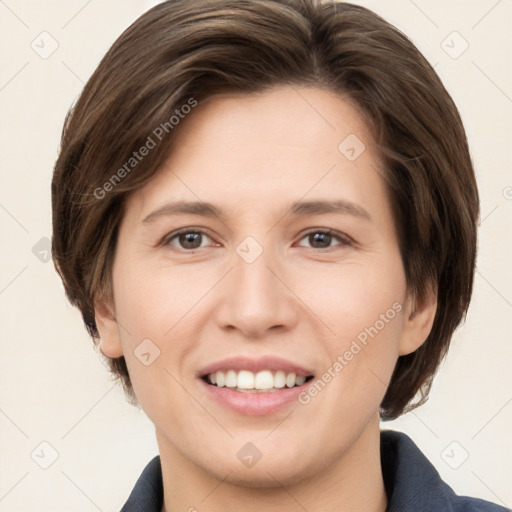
{"points": [[343, 239]]}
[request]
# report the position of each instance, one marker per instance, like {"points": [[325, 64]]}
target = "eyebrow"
{"points": [[298, 208]]}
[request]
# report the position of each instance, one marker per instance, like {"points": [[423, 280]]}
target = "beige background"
{"points": [[53, 387]]}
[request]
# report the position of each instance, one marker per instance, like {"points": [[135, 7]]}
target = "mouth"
{"points": [[254, 387], [264, 381]]}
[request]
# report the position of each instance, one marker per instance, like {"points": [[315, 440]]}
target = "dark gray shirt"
{"points": [[412, 483]]}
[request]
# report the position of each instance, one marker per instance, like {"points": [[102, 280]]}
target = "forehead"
{"points": [[280, 145], [308, 118]]}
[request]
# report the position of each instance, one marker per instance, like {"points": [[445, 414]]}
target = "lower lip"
{"points": [[254, 404]]}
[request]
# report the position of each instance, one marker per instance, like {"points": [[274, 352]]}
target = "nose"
{"points": [[257, 298]]}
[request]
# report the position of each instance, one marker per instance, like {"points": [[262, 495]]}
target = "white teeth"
{"points": [[300, 380], [220, 379], [246, 380], [290, 380], [263, 380], [230, 379], [279, 379]]}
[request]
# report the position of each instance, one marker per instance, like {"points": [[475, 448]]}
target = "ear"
{"points": [[110, 341], [418, 321]]}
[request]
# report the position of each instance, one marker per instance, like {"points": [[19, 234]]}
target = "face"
{"points": [[299, 271]]}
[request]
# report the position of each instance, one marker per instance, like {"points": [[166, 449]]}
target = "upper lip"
{"points": [[255, 365]]}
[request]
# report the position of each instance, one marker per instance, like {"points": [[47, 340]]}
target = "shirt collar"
{"points": [[148, 493], [412, 483]]}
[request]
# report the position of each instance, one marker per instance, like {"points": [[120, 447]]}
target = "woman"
{"points": [[266, 213]]}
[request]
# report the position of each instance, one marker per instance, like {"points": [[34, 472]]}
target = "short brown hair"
{"points": [[183, 50]]}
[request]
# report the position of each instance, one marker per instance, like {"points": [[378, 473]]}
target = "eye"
{"points": [[188, 239], [321, 239]]}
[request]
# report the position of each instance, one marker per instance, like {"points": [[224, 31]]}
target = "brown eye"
{"points": [[322, 239], [190, 240], [187, 240]]}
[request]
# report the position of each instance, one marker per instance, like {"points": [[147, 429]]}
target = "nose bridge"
{"points": [[257, 299]]}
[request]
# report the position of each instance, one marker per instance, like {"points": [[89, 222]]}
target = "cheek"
{"points": [[154, 301], [352, 296], [365, 348], [363, 307], [152, 306]]}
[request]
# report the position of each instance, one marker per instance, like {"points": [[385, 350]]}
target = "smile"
{"points": [[254, 386], [263, 381]]}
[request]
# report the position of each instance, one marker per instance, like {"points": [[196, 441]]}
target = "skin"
{"points": [[301, 299]]}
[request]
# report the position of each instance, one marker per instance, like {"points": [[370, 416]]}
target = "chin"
{"points": [[263, 475]]}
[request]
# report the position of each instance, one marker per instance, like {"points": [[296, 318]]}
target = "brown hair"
{"points": [[184, 51]]}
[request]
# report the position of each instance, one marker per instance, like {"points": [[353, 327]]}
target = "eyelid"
{"points": [[166, 240], [344, 239]]}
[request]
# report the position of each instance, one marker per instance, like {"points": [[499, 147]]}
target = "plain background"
{"points": [[54, 389]]}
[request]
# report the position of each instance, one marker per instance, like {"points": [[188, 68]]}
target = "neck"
{"points": [[352, 483]]}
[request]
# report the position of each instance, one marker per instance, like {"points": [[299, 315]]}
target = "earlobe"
{"points": [[418, 321], [110, 342]]}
